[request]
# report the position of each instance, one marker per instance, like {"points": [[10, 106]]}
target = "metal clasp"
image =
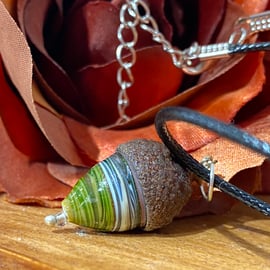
{"points": [[197, 59]]}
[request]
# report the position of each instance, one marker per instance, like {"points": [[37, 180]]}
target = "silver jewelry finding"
{"points": [[209, 163], [193, 60]]}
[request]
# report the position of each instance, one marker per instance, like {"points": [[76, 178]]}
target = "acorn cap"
{"points": [[165, 185]]}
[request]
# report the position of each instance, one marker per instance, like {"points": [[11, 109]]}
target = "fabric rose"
{"points": [[74, 48], [61, 120]]}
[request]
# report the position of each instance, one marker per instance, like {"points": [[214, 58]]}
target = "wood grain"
{"points": [[237, 240]]}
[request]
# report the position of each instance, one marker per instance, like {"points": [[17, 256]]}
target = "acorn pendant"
{"points": [[139, 186]]}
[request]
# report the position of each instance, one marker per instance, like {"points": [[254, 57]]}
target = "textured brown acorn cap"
{"points": [[165, 185]]}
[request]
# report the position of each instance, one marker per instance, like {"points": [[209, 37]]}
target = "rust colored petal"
{"points": [[58, 135], [97, 144], [66, 173], [210, 19], [232, 156], [96, 42], [31, 16], [25, 181], [20, 125], [223, 97]]}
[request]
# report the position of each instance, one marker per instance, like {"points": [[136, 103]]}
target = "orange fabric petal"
{"points": [[252, 6], [18, 63], [222, 98], [97, 144], [66, 173], [25, 181]]}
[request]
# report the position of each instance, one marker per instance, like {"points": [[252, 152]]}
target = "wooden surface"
{"points": [[238, 240]]}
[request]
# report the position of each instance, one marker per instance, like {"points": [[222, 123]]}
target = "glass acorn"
{"points": [[139, 186]]}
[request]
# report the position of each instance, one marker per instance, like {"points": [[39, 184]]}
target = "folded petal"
{"points": [[25, 181], [66, 173], [210, 20], [31, 16], [20, 125]]}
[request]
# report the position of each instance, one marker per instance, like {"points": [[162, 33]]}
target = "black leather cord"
{"points": [[226, 130], [248, 47]]}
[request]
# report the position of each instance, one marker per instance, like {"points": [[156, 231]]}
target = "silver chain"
{"points": [[193, 60], [124, 75]]}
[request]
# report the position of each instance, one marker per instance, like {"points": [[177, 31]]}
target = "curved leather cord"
{"points": [[226, 130]]}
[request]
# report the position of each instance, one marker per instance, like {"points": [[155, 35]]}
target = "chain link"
{"points": [[128, 23]]}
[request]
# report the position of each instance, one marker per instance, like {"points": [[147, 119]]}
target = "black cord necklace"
{"points": [[226, 130]]}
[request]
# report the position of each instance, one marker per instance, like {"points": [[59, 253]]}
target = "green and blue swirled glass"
{"points": [[105, 198]]}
